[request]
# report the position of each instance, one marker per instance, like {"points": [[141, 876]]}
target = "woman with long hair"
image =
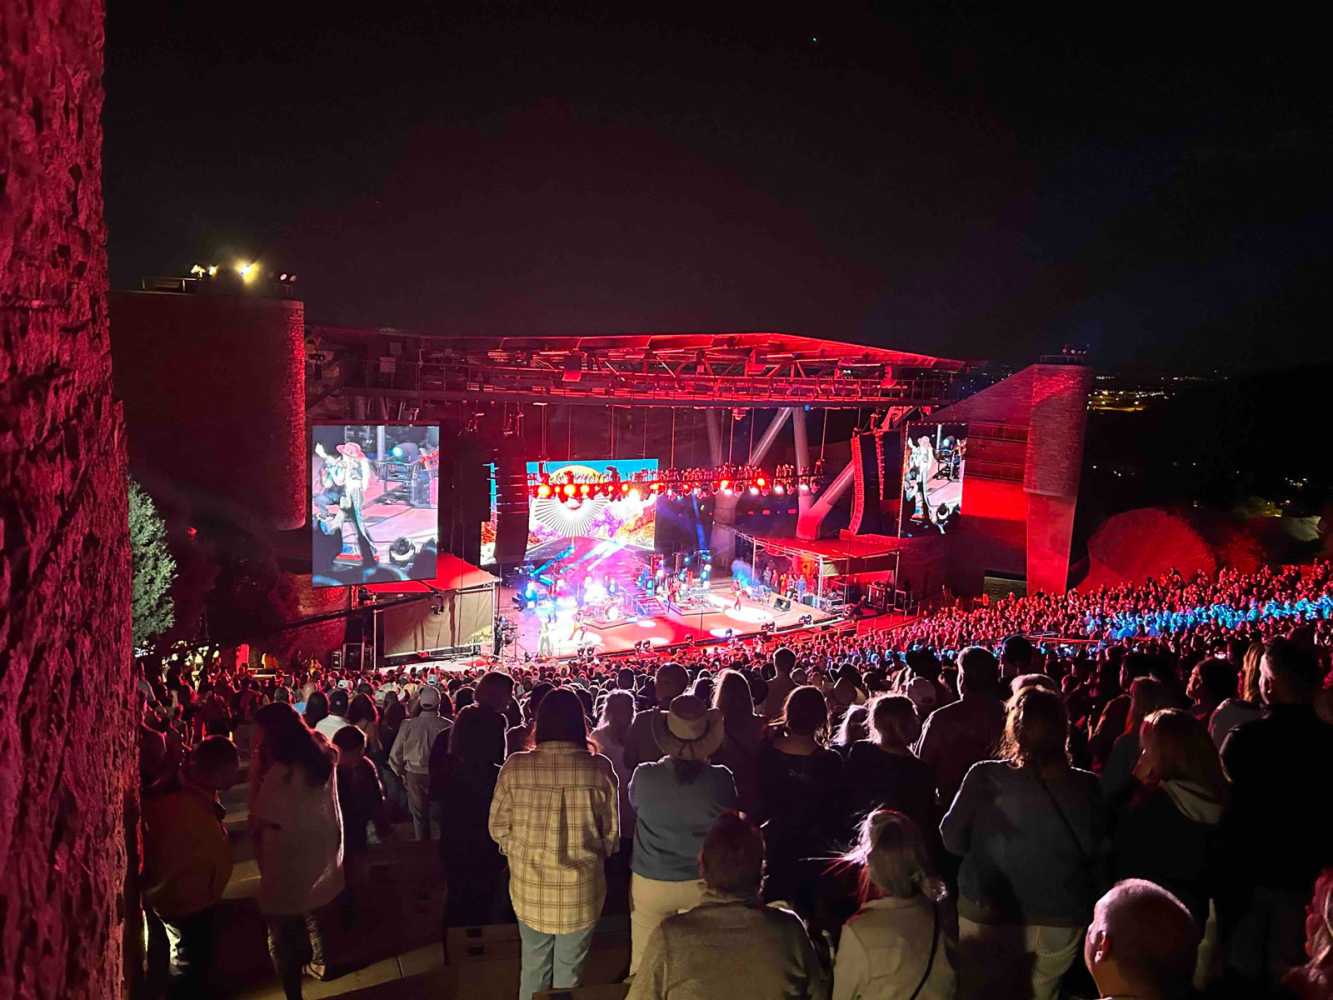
{"points": [[1314, 979], [855, 726], [676, 800], [882, 772], [901, 942], [555, 819], [1029, 828], [609, 737], [744, 734], [1146, 695], [463, 772], [800, 788], [1246, 705], [296, 828], [1167, 832]]}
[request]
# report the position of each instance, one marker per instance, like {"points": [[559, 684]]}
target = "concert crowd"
{"points": [[1117, 792]]}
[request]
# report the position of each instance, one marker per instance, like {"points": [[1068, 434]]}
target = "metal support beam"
{"points": [[770, 435], [711, 417], [803, 499]]}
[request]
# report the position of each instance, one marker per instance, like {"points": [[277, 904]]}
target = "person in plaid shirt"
{"points": [[555, 816]]}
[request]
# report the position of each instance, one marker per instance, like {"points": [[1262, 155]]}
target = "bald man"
{"points": [[1142, 943]]}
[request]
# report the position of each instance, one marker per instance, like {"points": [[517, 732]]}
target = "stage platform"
{"points": [[668, 628]]}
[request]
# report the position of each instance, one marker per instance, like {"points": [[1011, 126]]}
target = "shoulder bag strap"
{"points": [[934, 946], [1073, 834]]}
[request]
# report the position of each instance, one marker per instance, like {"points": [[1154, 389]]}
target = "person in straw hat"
{"points": [[676, 801]]}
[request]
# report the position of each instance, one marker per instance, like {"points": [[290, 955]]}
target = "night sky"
{"points": [[942, 181]]}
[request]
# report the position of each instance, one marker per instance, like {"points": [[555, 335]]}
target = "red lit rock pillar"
{"points": [[1054, 464], [68, 751]]}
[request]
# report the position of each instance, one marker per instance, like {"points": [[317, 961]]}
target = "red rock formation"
{"points": [[67, 762]]}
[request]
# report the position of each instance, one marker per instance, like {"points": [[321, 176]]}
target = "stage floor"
{"points": [[667, 629]]}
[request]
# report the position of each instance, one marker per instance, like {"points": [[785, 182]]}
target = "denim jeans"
{"points": [[552, 961], [420, 804], [294, 940]]}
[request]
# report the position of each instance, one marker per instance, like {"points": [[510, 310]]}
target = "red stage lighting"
{"points": [[544, 490], [761, 482], [569, 489], [725, 483], [624, 487], [585, 489]]}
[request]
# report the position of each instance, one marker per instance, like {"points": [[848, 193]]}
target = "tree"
{"points": [[154, 569]]}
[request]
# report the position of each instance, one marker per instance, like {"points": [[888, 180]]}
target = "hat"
{"points": [[689, 729], [352, 449], [429, 697]]}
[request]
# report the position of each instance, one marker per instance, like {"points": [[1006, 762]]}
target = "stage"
{"points": [[666, 628]]}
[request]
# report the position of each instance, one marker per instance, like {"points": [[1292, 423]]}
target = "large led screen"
{"points": [[932, 485], [374, 492], [620, 511]]}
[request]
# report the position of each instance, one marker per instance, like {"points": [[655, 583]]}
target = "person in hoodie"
{"points": [[1167, 831]]}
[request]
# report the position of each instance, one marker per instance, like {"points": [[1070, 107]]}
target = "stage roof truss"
{"points": [[718, 370]]}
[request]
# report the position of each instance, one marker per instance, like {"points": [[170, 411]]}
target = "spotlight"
{"points": [[198, 270], [585, 489], [727, 490], [248, 270], [634, 494], [212, 270], [805, 487], [761, 481], [569, 489], [779, 489], [724, 483], [754, 491], [544, 490]]}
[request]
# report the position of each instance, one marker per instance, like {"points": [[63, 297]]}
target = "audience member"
{"points": [[958, 735], [901, 942], [1025, 887], [730, 944], [676, 800], [410, 758], [554, 818], [1141, 943], [297, 833], [188, 860], [1278, 767]]}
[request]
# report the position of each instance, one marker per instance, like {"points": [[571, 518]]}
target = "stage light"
{"points": [[804, 487], [754, 491], [761, 481], [585, 489], [212, 270], [569, 489], [635, 495], [198, 270], [779, 489], [248, 270], [544, 491], [397, 452], [725, 483]]}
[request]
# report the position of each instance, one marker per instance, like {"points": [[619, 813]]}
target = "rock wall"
{"points": [[67, 763]]}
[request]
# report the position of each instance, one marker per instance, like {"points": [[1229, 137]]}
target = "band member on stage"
{"points": [[545, 639], [350, 471], [922, 467], [736, 591]]}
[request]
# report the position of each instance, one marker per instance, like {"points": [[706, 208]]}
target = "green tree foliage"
{"points": [[154, 569]]}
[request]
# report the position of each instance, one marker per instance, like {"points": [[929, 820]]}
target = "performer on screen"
{"points": [[350, 471], [546, 639], [922, 467]]}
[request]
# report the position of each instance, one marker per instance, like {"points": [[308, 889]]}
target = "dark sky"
{"points": [[937, 180]]}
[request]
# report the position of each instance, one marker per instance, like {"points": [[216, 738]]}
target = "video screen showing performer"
{"points": [[374, 503], [932, 497]]}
